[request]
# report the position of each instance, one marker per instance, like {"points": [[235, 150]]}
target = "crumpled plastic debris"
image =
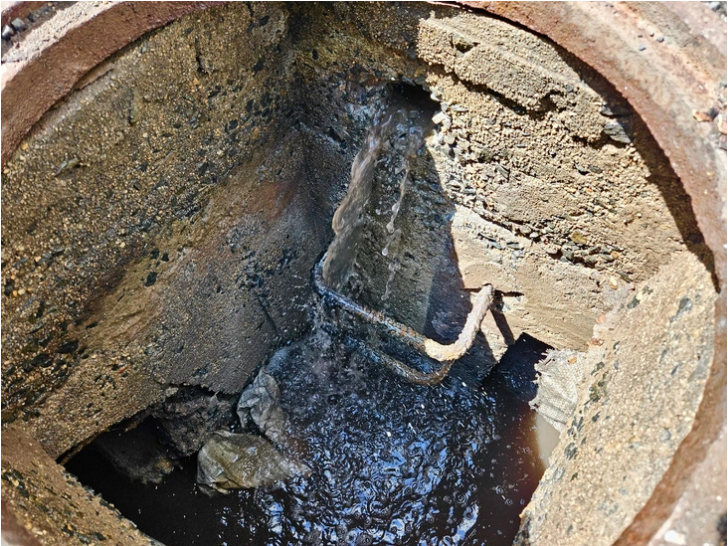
{"points": [[260, 401], [242, 461], [230, 461], [560, 374]]}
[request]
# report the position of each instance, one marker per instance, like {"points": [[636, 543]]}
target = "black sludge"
{"points": [[391, 462], [394, 463]]}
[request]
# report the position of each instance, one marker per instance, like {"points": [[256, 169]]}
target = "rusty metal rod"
{"points": [[437, 351]]}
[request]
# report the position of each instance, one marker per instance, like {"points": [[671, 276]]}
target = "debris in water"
{"points": [[243, 461], [260, 402], [560, 374]]}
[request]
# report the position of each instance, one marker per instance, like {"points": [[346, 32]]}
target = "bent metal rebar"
{"points": [[437, 351]]}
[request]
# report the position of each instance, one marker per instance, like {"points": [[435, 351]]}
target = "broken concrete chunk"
{"points": [[260, 402], [618, 131], [243, 461], [560, 374]]}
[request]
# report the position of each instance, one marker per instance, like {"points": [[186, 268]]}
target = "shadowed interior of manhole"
{"points": [[360, 454], [287, 273]]}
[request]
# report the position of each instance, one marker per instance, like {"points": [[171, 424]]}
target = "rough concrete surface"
{"points": [[699, 516], [668, 60], [161, 221], [116, 203], [53, 56], [649, 362]]}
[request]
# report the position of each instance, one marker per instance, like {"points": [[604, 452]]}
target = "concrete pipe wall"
{"points": [[170, 173]]}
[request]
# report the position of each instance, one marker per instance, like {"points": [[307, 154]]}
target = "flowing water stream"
{"points": [[389, 462]]}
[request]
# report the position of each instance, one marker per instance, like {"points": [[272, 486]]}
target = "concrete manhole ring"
{"points": [[666, 60]]}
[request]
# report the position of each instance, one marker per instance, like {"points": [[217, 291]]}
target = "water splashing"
{"points": [[349, 217], [392, 143]]}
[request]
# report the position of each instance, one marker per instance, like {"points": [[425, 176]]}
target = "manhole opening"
{"points": [[540, 179]]}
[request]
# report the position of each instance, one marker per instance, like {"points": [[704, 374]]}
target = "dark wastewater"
{"points": [[392, 463]]}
